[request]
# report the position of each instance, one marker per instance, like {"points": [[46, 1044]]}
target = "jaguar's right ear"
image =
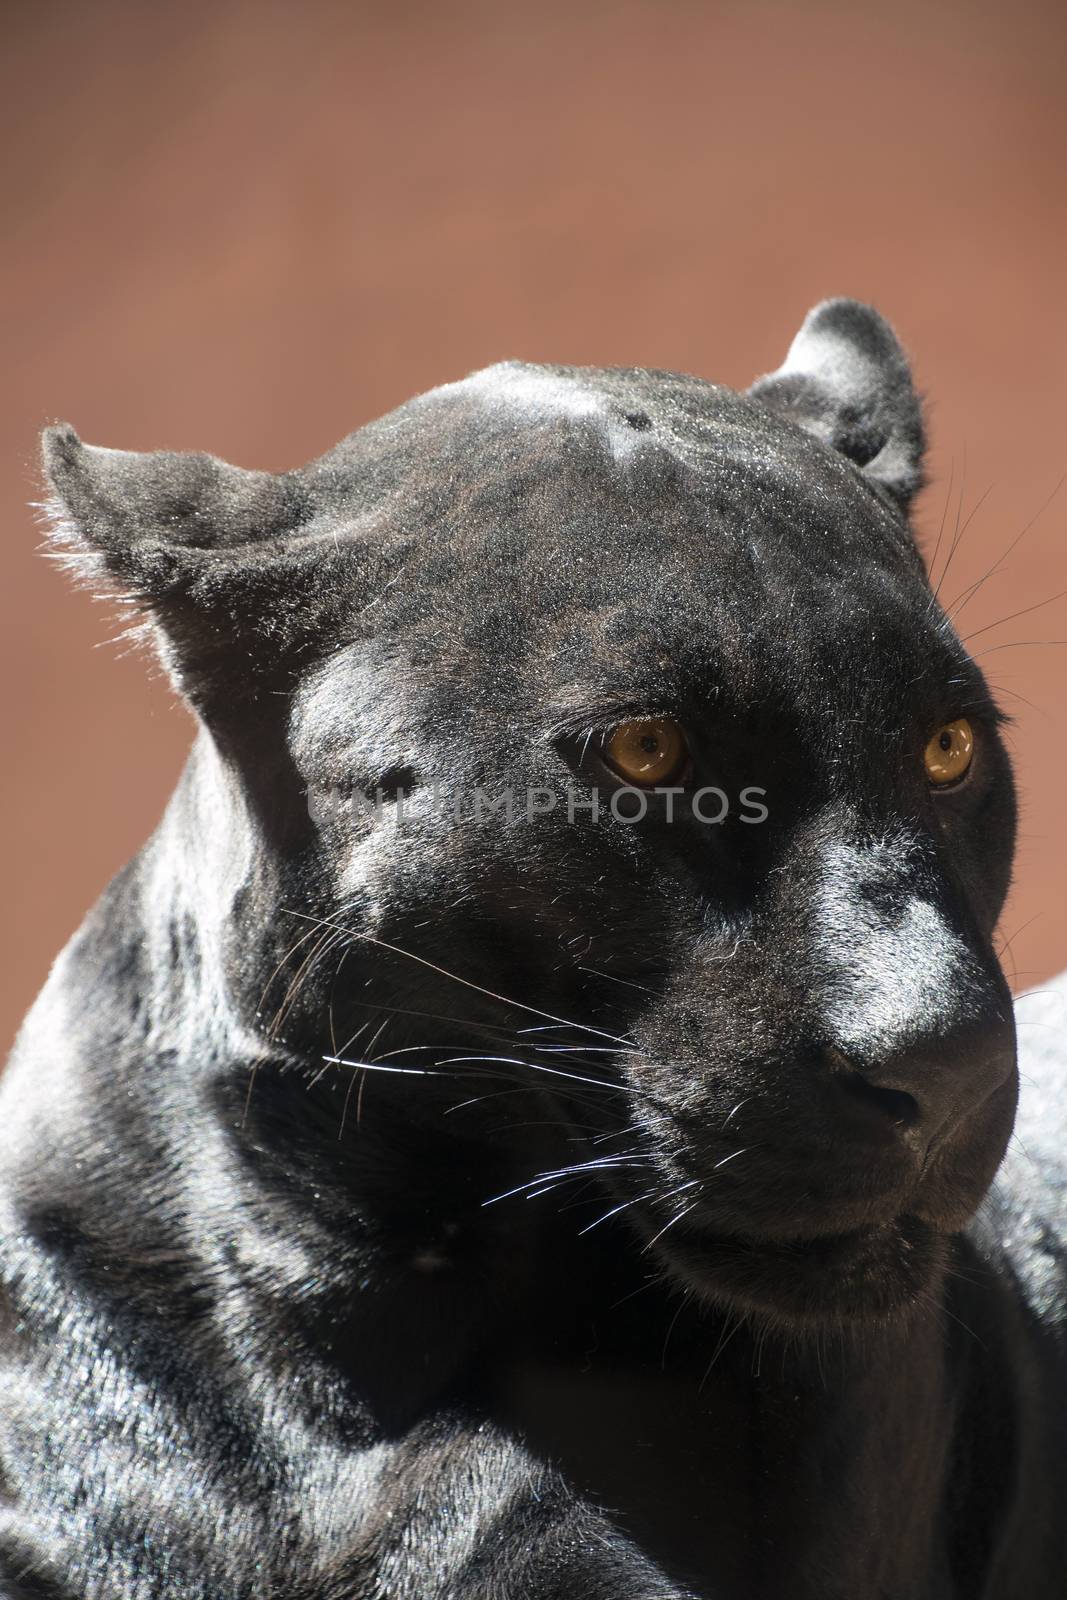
{"points": [[186, 541], [145, 520]]}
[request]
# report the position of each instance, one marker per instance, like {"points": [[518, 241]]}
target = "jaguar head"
{"points": [[603, 730]]}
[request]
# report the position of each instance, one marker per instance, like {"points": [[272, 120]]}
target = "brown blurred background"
{"points": [[251, 227]]}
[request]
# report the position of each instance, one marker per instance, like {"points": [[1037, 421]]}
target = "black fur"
{"points": [[403, 1204]]}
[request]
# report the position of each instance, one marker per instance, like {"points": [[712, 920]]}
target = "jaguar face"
{"points": [[641, 771]]}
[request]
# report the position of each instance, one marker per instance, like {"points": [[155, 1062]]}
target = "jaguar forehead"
{"points": [[534, 390], [543, 393]]}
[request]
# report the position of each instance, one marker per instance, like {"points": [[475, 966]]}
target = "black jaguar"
{"points": [[525, 1126]]}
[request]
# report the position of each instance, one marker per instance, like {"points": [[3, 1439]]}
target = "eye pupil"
{"points": [[949, 752], [647, 751]]}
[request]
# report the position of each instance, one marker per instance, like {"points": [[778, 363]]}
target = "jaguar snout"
{"points": [[843, 1192]]}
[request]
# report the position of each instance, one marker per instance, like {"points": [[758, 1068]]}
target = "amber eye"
{"points": [[949, 753], [649, 752]]}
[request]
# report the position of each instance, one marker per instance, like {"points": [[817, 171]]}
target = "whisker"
{"points": [[733, 1157], [376, 1066], [344, 1107], [304, 937], [724, 1339], [656, 1237], [637, 1200], [318, 952], [944, 515], [454, 977], [583, 1169], [588, 1050], [683, 1302], [954, 543], [959, 531], [628, 982], [433, 1016], [630, 1127], [1025, 612], [1018, 644], [538, 1066], [959, 604]]}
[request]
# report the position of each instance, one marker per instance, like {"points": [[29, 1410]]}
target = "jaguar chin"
{"points": [[837, 1282]]}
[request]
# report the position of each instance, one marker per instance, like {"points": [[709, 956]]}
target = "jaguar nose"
{"points": [[920, 1092], [886, 1106]]}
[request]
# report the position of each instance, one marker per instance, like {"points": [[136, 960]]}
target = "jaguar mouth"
{"points": [[865, 1275], [823, 1243]]}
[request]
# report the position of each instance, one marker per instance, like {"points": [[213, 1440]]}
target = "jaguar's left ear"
{"points": [[846, 380]]}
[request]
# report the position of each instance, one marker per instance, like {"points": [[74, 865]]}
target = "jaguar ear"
{"points": [[179, 539], [145, 520], [846, 380]]}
